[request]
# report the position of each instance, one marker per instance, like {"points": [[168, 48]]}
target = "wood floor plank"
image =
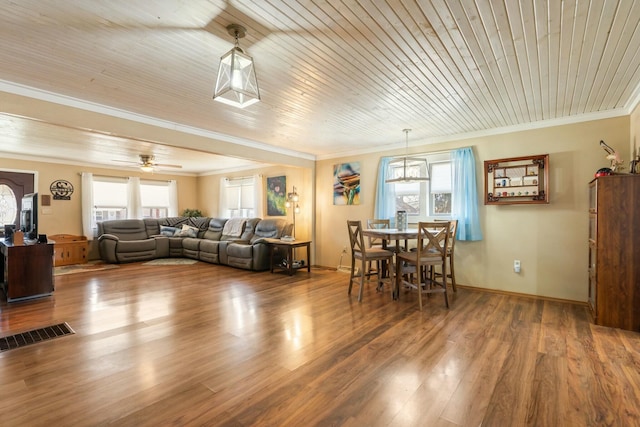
{"points": [[212, 345]]}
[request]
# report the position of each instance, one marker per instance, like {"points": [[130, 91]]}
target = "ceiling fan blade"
{"points": [[162, 165], [125, 161]]}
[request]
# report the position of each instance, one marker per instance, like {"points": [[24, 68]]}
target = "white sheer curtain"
{"points": [[134, 199], [88, 219], [258, 203], [223, 206], [173, 198]]}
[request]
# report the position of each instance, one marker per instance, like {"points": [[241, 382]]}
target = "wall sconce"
{"points": [[236, 84], [292, 201]]}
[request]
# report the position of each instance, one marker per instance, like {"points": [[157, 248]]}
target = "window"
{"points": [[8, 205], [239, 198], [109, 198], [432, 198], [440, 189], [155, 199]]}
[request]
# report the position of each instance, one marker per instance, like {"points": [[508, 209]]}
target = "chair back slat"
{"points": [[433, 239], [452, 235], [378, 224], [355, 237]]}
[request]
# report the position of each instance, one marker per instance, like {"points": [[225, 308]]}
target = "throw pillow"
{"points": [[168, 231], [187, 231]]}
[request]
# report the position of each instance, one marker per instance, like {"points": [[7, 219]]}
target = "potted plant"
{"points": [[192, 213]]}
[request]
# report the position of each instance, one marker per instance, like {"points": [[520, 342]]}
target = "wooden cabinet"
{"points": [[69, 249], [27, 270], [614, 251]]}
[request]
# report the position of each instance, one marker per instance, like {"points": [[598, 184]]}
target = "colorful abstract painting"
{"points": [[346, 184], [276, 196]]}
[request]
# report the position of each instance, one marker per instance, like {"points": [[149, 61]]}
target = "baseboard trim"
{"points": [[502, 292], [519, 294]]}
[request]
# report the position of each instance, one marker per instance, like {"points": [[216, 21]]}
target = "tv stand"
{"points": [[27, 270]]}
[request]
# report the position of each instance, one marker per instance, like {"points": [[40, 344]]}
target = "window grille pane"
{"points": [[247, 196], [442, 203], [441, 177], [154, 195], [109, 193]]}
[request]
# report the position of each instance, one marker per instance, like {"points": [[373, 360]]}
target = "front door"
{"points": [[13, 186]]}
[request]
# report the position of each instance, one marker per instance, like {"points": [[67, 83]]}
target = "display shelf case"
{"points": [[517, 180]]}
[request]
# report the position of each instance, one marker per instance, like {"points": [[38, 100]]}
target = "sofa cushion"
{"points": [[126, 229], [187, 231], [191, 243], [152, 226], [249, 228], [270, 228], [165, 230], [214, 229]]}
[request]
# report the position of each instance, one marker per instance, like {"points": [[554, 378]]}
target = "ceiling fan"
{"points": [[147, 163]]}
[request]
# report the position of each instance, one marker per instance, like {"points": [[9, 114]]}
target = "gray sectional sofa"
{"points": [[202, 238]]}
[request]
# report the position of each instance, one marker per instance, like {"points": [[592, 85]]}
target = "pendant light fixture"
{"points": [[236, 83], [408, 169]]}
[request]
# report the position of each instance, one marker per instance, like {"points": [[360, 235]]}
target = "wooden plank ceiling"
{"points": [[336, 76]]}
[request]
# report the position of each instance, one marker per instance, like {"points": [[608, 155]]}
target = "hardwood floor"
{"points": [[211, 345]]}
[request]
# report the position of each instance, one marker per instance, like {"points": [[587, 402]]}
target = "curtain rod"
{"points": [[429, 153], [238, 178], [126, 177]]}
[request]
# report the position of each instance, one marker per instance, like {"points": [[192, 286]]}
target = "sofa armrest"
{"points": [[107, 247]]}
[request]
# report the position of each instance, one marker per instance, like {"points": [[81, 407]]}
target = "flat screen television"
{"points": [[29, 216]]}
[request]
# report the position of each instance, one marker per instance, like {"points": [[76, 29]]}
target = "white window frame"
{"points": [[109, 211], [161, 206], [244, 197], [113, 211], [432, 193], [426, 201]]}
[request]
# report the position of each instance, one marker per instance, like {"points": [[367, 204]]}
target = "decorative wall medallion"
{"points": [[61, 190]]}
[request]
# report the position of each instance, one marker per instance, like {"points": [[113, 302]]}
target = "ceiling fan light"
{"points": [[146, 168], [236, 83]]}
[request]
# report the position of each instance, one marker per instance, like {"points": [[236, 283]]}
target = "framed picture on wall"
{"points": [[276, 196], [346, 184]]}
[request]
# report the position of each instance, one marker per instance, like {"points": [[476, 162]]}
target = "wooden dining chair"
{"points": [[453, 230], [365, 254], [374, 242], [431, 251]]}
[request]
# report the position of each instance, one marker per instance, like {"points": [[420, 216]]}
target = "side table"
{"points": [[288, 247]]}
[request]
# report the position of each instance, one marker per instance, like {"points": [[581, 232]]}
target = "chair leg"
{"points": [[444, 282], [351, 276], [419, 285], [362, 274], [453, 274], [395, 288], [379, 284]]}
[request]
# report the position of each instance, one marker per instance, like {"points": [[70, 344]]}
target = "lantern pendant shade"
{"points": [[236, 83], [408, 169]]}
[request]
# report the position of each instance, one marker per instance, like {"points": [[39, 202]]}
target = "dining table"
{"points": [[389, 234]]}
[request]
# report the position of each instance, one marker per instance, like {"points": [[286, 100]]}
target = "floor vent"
{"points": [[34, 336]]}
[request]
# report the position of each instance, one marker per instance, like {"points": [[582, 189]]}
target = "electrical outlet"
{"points": [[516, 265]]}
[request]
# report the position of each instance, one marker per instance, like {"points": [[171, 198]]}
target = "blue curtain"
{"points": [[385, 194], [465, 194]]}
